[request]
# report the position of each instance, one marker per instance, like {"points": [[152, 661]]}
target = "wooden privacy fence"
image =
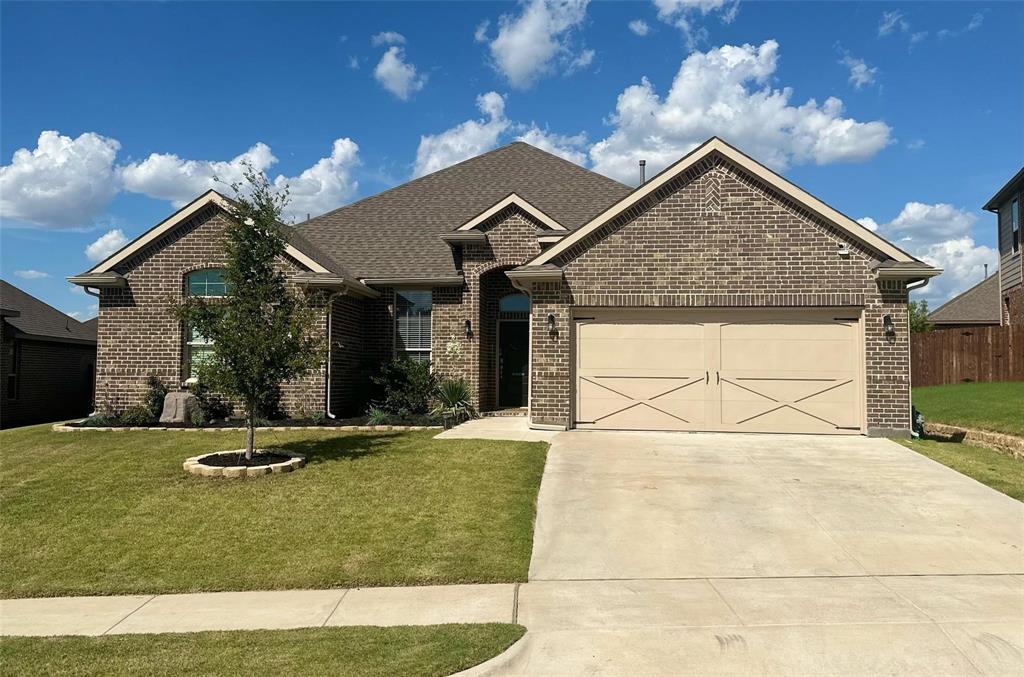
{"points": [[982, 354]]}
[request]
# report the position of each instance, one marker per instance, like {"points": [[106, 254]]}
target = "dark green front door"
{"points": [[513, 361]]}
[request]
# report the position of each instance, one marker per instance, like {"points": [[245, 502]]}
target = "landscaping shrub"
{"points": [[156, 391], [454, 402], [101, 421], [404, 388], [137, 415], [213, 408], [377, 416]]}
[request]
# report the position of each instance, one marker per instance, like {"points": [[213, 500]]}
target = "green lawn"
{"points": [[113, 512], [999, 471], [998, 407], [355, 651]]}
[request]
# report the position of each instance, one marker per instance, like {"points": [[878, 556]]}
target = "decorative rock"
{"points": [[281, 467], [258, 470], [179, 407], [210, 471], [236, 471]]}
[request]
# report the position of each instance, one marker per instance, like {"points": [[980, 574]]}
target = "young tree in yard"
{"points": [[261, 331], [919, 316]]}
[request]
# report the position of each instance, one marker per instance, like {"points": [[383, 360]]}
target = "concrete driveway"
{"points": [[782, 555]]}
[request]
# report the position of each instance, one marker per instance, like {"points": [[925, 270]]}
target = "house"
{"points": [[1006, 205], [979, 306], [715, 296], [47, 361]]}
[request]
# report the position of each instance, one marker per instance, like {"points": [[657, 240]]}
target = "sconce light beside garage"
{"points": [[888, 326], [551, 323], [469, 329], [844, 251]]}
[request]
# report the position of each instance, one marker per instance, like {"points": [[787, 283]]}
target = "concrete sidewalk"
{"points": [[271, 610], [511, 428]]}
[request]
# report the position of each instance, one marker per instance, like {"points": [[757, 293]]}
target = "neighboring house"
{"points": [[1006, 204], [47, 363], [716, 296], [979, 306]]}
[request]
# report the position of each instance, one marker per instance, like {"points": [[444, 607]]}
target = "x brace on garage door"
{"points": [[753, 370]]}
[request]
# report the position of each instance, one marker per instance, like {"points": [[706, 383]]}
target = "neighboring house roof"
{"points": [[395, 234], [34, 318], [748, 164], [1012, 186], [977, 305]]}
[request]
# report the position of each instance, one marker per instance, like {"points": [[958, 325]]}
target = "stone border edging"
{"points": [[1011, 445], [193, 466], [64, 428]]}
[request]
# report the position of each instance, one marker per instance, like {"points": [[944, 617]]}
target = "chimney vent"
{"points": [[643, 172]]}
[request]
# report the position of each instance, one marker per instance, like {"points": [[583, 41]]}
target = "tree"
{"points": [[262, 331], [919, 316]]}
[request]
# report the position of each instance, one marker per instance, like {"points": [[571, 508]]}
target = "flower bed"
{"points": [[234, 464]]}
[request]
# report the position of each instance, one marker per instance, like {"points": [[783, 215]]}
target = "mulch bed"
{"points": [[291, 422], [235, 460]]}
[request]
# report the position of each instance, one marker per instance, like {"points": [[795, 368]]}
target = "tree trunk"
{"points": [[250, 437]]}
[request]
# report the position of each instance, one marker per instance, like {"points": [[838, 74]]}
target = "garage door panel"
{"points": [[784, 370]]}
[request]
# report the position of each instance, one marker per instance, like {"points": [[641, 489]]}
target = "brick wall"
{"points": [[349, 377], [1013, 306], [138, 335], [55, 381], [718, 237]]}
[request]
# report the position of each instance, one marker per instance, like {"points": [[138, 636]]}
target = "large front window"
{"points": [[412, 323], [198, 349]]}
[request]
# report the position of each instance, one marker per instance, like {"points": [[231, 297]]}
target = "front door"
{"points": [[513, 361]]}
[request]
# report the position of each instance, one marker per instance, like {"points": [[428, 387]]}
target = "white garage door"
{"points": [[739, 370]]}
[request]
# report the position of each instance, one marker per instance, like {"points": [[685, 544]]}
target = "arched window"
{"points": [[208, 282], [514, 303]]}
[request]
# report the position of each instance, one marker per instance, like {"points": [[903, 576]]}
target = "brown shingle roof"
{"points": [[39, 319], [977, 305], [395, 233]]}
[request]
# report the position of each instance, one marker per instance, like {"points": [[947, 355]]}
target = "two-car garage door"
{"points": [[756, 370]]}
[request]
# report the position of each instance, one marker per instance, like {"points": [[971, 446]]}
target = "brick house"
{"points": [[715, 296], [47, 361], [1006, 204]]}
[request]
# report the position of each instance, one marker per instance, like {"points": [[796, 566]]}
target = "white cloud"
{"points": [[940, 234], [726, 91], [682, 14], [106, 244], [915, 144], [639, 27], [31, 274], [583, 60], [166, 176], [571, 148], [324, 186], [861, 74], [896, 23], [480, 34], [537, 40], [388, 38], [397, 76], [353, 63], [90, 312], [465, 140], [62, 183], [977, 19]]}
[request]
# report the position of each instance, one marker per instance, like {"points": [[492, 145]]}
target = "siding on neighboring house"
{"points": [[55, 380]]}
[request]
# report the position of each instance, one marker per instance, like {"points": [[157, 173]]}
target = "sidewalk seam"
{"points": [[344, 594], [128, 615], [515, 603]]}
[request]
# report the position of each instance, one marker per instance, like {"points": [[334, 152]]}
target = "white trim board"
{"points": [[716, 145], [512, 199], [171, 222]]}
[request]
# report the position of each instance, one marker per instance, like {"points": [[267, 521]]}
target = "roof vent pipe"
{"points": [[986, 271], [643, 172]]}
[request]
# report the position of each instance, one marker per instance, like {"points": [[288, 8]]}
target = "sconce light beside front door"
{"points": [[888, 326], [469, 329], [551, 323]]}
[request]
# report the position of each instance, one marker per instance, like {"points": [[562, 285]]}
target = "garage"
{"points": [[736, 370]]}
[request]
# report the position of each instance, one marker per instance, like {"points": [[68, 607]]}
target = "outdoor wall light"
{"points": [[551, 323], [844, 250], [888, 326], [469, 329]]}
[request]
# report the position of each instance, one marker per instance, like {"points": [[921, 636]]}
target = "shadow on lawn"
{"points": [[341, 448]]}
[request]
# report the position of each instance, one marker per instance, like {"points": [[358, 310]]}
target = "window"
{"points": [[14, 370], [514, 303], [209, 282], [412, 323], [198, 349], [1015, 225]]}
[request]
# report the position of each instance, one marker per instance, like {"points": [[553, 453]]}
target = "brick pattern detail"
{"points": [[1013, 306], [55, 380], [138, 335], [759, 249]]}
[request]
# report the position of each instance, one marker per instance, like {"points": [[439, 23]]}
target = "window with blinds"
{"points": [[412, 323]]}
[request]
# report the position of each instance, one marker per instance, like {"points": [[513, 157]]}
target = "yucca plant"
{"points": [[454, 403]]}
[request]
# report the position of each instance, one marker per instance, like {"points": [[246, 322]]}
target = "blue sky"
{"points": [[906, 115]]}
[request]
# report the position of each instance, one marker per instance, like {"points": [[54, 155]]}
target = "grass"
{"points": [[999, 471], [112, 513], [353, 651], [998, 407]]}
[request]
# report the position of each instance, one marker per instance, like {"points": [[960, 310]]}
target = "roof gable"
{"points": [[510, 201], [35, 318], [744, 162]]}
